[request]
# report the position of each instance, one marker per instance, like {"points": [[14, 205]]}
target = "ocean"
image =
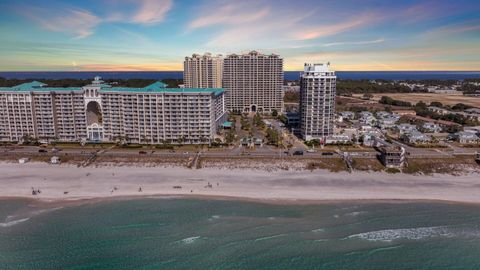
{"points": [[289, 75], [176, 233]]}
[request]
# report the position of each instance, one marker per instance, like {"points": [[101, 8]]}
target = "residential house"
{"points": [[406, 128], [415, 137], [431, 127], [464, 137]]}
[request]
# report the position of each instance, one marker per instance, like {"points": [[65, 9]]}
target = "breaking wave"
{"points": [[190, 240], [409, 234], [13, 222]]}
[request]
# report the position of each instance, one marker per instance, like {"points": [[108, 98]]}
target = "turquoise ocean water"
{"points": [[214, 234]]}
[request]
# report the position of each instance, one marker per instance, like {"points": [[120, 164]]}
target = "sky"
{"points": [[156, 35]]}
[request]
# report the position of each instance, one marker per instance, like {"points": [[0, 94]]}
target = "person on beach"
{"points": [[140, 189]]}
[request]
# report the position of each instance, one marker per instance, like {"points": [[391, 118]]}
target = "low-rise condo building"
{"points": [[98, 112]]}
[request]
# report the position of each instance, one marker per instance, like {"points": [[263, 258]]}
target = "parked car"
{"points": [[298, 153], [42, 151], [311, 151], [327, 154], [142, 152]]}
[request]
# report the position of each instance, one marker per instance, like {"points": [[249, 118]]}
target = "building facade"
{"points": [[98, 112], [317, 101], [203, 71], [253, 82]]}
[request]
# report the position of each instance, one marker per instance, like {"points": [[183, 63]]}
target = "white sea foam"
{"points": [[409, 234], [270, 237], [354, 214], [318, 230], [13, 222], [190, 240]]}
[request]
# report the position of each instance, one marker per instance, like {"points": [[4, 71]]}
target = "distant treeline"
{"points": [[421, 108], [346, 87], [172, 83]]}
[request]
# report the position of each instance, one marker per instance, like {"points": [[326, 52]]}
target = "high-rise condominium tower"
{"points": [[253, 82], [317, 101], [202, 71]]}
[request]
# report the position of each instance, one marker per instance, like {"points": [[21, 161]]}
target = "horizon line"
{"points": [[84, 71]]}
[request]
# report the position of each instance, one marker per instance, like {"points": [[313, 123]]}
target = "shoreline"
{"points": [[281, 186]]}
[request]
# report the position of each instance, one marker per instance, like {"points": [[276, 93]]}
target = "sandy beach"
{"points": [[68, 182]]}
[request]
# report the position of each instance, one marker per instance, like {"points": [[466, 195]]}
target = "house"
{"points": [[338, 139], [367, 118], [415, 137], [365, 114], [475, 129], [443, 90], [404, 112], [382, 114], [388, 121], [431, 127], [347, 115], [369, 139], [472, 114], [55, 160], [406, 128], [392, 157], [464, 137], [438, 110]]}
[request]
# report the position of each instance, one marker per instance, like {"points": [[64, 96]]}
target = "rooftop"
{"points": [[157, 87]]}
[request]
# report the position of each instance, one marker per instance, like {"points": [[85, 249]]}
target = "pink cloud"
{"points": [[233, 14], [77, 22], [152, 11]]}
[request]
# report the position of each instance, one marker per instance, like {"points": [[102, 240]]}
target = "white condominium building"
{"points": [[203, 71], [98, 112], [253, 82], [317, 101]]}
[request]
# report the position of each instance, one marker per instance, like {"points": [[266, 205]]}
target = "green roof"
{"points": [[160, 87], [157, 87]]}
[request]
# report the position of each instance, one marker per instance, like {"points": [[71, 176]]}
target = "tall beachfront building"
{"points": [[98, 112], [203, 71], [253, 82], [317, 101]]}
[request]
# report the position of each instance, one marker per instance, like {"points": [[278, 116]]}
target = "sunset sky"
{"points": [[157, 34]]}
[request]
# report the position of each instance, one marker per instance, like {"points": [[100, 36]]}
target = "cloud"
{"points": [[77, 22], [323, 30], [232, 14], [152, 11], [161, 66], [366, 42], [81, 23], [459, 28]]}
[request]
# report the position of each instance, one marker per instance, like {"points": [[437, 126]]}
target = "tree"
{"points": [[230, 137], [436, 104], [282, 118], [273, 137], [274, 113]]}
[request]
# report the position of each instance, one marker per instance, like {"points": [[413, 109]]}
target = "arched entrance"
{"points": [[94, 113], [253, 108], [94, 121]]}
